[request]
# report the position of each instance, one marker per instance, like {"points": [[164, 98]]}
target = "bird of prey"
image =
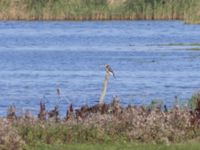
{"points": [[109, 70]]}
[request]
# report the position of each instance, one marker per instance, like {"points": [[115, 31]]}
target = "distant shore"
{"points": [[185, 10]]}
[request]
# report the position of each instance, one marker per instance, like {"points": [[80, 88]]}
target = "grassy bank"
{"points": [[189, 146], [108, 126], [187, 10]]}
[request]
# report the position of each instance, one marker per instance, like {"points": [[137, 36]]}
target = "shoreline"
{"points": [[94, 20]]}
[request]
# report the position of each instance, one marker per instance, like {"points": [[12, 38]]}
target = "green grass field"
{"points": [[192, 146]]}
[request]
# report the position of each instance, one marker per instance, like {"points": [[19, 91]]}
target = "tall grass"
{"points": [[187, 10], [107, 124]]}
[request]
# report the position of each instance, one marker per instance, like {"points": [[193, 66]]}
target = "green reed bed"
{"points": [[187, 10]]}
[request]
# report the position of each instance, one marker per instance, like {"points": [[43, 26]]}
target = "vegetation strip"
{"points": [[104, 124], [187, 10], [185, 146]]}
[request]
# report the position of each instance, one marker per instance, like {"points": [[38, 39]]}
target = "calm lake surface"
{"points": [[36, 58]]}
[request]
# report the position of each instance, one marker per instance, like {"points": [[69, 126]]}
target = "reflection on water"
{"points": [[36, 58]]}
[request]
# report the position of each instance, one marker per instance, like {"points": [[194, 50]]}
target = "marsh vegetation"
{"points": [[103, 124], [187, 10]]}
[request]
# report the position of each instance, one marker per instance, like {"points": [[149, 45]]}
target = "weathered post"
{"points": [[109, 72]]}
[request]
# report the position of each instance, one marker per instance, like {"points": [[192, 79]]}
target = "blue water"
{"points": [[36, 58]]}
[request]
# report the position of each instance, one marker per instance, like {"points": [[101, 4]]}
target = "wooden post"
{"points": [[105, 85]]}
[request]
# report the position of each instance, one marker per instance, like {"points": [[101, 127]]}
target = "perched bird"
{"points": [[109, 70]]}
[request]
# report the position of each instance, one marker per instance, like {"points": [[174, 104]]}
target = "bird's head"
{"points": [[106, 65]]}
